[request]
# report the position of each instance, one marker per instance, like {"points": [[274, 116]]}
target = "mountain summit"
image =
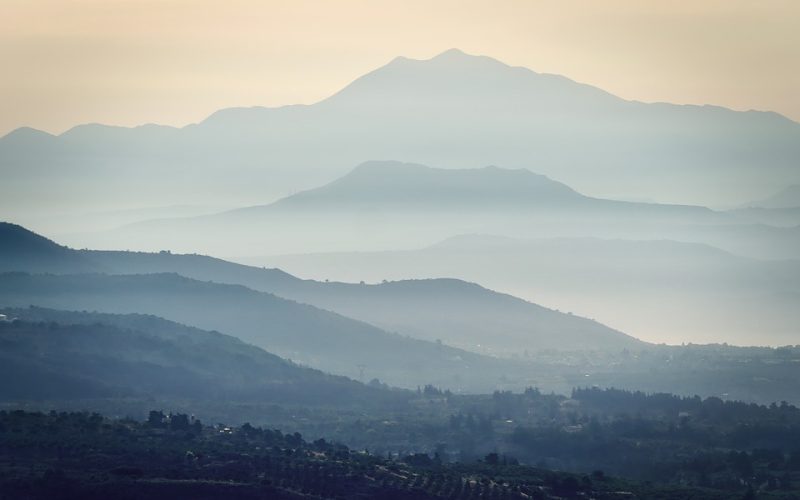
{"points": [[408, 185], [454, 110], [454, 75]]}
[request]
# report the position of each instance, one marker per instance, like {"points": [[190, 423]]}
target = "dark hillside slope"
{"points": [[54, 355], [21, 249], [300, 332]]}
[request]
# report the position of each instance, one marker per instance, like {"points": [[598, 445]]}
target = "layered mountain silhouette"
{"points": [[454, 110], [299, 332], [344, 346], [386, 205], [455, 312], [392, 185], [21, 249], [56, 355], [657, 289]]}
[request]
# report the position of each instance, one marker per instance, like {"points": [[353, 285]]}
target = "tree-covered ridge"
{"points": [[656, 437], [459, 313], [84, 455], [69, 355], [292, 330], [661, 437]]}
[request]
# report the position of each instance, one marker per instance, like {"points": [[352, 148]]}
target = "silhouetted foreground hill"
{"points": [[59, 355]]}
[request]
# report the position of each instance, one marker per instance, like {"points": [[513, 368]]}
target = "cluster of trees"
{"points": [[174, 421], [61, 355], [711, 408], [83, 455], [664, 438]]}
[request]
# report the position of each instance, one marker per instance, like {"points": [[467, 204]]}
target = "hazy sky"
{"points": [[128, 62]]}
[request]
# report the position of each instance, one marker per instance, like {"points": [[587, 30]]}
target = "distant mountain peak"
{"points": [[454, 175], [383, 164], [400, 167], [412, 185], [452, 109], [453, 55], [456, 54], [452, 52], [465, 81], [27, 134]]}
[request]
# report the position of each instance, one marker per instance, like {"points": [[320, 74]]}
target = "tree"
{"points": [[156, 418], [179, 422]]}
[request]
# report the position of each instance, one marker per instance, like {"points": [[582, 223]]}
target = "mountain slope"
{"points": [[21, 249], [387, 185], [454, 110], [388, 204], [657, 290], [302, 333], [461, 314], [52, 354], [464, 315]]}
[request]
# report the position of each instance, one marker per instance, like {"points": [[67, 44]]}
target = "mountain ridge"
{"points": [[391, 204], [413, 183], [147, 356], [448, 111], [659, 290], [447, 55], [454, 311]]}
